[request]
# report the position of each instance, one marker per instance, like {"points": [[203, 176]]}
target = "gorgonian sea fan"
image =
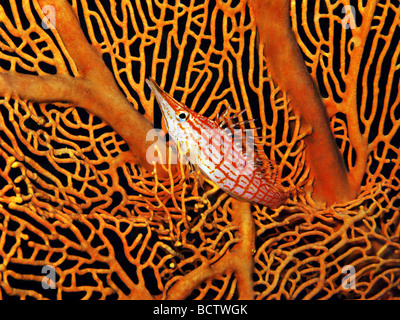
{"points": [[74, 194]]}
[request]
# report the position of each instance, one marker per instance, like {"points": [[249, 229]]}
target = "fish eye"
{"points": [[183, 116]]}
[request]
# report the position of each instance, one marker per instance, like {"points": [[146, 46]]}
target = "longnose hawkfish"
{"points": [[246, 176]]}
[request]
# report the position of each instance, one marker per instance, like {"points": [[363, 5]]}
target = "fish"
{"points": [[221, 156]]}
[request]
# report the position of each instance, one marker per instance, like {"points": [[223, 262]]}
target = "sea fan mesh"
{"points": [[70, 200]]}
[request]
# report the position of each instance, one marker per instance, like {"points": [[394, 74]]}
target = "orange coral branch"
{"points": [[243, 251], [359, 141], [192, 280], [287, 67], [38, 88]]}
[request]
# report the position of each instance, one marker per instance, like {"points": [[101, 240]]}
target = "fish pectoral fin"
{"points": [[197, 174], [200, 180], [235, 196], [267, 169]]}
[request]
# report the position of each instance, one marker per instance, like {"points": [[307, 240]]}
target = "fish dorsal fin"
{"points": [[235, 126], [229, 122], [267, 169]]}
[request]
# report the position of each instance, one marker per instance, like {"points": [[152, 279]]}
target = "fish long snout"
{"points": [[155, 88]]}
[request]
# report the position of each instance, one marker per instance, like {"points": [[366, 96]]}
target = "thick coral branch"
{"points": [[94, 89], [287, 67], [244, 250], [181, 289], [349, 103], [50, 88]]}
